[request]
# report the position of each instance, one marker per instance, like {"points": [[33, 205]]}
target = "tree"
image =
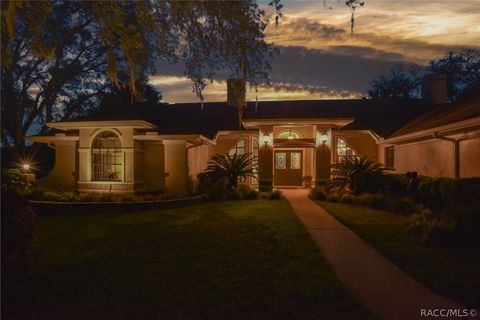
{"points": [[356, 174], [401, 82], [462, 70], [232, 168], [59, 57], [41, 84]]}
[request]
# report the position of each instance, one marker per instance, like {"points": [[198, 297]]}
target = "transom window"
{"points": [[240, 148], [107, 157], [343, 150], [288, 134]]}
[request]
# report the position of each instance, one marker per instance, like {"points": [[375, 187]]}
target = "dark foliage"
{"points": [[275, 195], [401, 82], [461, 68], [356, 175], [439, 193], [231, 168], [318, 193], [18, 221]]}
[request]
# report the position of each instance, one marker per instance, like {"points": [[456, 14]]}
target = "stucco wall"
{"points": [[430, 158], [176, 167], [153, 163], [198, 158], [138, 161], [470, 158], [62, 177], [226, 142]]}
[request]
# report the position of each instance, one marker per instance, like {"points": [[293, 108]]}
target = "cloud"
{"points": [[320, 59], [297, 73], [415, 35]]}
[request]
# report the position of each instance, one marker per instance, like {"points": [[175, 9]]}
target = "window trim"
{"points": [[294, 132], [348, 146], [117, 152], [387, 164]]}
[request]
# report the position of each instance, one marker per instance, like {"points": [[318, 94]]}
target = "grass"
{"points": [[453, 274], [228, 260]]}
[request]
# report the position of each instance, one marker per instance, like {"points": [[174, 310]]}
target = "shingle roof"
{"points": [[442, 115], [382, 116]]}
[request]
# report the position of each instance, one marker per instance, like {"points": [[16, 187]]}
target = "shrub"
{"points": [[348, 199], [53, 196], [18, 224], [466, 219], [275, 195], [128, 198], [333, 197], [106, 198], [217, 192], [318, 193], [206, 180], [36, 193], [357, 175], [402, 205], [89, 197], [12, 180], [375, 201], [438, 193], [247, 193], [392, 184], [232, 168], [439, 232], [69, 196]]}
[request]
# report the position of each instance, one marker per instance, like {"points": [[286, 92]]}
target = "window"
{"points": [[343, 150], [389, 157], [280, 160], [295, 160], [288, 134], [106, 157], [240, 148]]}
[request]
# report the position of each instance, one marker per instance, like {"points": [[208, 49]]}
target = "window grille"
{"points": [[107, 157]]}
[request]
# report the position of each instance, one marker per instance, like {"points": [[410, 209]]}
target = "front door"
{"points": [[288, 168]]}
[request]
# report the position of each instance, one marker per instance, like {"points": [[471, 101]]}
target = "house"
{"points": [[158, 147]]}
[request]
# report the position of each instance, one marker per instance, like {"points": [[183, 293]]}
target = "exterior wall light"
{"points": [[324, 137], [266, 139]]}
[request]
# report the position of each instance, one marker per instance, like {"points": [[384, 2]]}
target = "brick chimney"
{"points": [[434, 88], [236, 92]]}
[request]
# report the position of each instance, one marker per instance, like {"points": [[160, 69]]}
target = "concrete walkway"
{"points": [[376, 282]]}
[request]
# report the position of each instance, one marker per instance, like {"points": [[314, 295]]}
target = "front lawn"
{"points": [[453, 274], [227, 260]]}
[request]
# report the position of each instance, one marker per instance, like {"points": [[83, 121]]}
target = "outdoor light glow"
{"points": [[26, 166], [265, 139], [290, 135], [324, 137]]}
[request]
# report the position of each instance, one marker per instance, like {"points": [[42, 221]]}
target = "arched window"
{"points": [[107, 157], [343, 150], [288, 134], [239, 148]]}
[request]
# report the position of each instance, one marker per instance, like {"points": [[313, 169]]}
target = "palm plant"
{"points": [[356, 174], [232, 168]]}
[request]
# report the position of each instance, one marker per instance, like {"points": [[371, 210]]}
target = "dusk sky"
{"points": [[320, 60]]}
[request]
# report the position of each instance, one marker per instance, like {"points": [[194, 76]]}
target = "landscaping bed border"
{"points": [[43, 207]]}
